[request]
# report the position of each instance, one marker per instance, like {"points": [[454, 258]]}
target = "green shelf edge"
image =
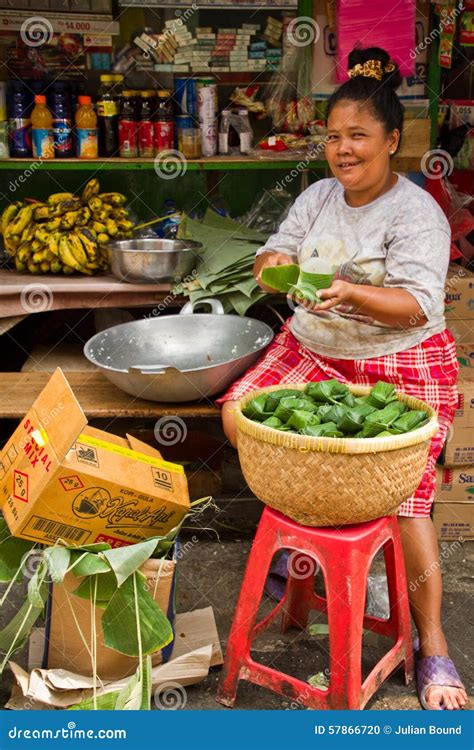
{"points": [[211, 166]]}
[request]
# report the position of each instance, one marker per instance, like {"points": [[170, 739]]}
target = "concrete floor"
{"points": [[210, 573]]}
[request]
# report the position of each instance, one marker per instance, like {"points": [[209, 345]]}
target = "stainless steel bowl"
{"points": [[148, 260]]}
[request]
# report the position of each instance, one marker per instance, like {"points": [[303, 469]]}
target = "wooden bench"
{"points": [[98, 397]]}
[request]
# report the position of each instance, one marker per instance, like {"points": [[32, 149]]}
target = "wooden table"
{"points": [[98, 397]]}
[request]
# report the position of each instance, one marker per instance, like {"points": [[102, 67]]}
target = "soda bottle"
{"points": [[163, 126], [60, 106], [19, 122], [42, 129], [108, 107], [86, 129], [146, 146], [128, 125]]}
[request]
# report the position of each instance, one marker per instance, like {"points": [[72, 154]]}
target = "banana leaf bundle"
{"points": [[287, 406], [274, 422], [256, 409], [299, 420], [335, 413], [274, 398], [327, 391], [382, 394], [328, 429], [382, 419], [353, 419], [409, 421]]}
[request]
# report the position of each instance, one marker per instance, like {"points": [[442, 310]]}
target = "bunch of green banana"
{"points": [[66, 233]]}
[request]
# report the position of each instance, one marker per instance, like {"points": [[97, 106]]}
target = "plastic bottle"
{"points": [[42, 129], [170, 226], [86, 129], [62, 121], [224, 129], [146, 146], [108, 108], [19, 122], [245, 132], [163, 126], [128, 125]]}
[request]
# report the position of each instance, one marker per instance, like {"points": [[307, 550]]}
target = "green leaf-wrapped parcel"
{"points": [[382, 419], [409, 421], [353, 419], [287, 406], [328, 429], [256, 409], [324, 391], [301, 419], [382, 394], [275, 397]]}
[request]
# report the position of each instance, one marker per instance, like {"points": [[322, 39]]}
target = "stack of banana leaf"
{"points": [[225, 266]]}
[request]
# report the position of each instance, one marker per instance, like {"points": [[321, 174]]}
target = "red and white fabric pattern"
{"points": [[427, 371]]}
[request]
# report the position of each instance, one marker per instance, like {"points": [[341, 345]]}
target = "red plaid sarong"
{"points": [[427, 371]]}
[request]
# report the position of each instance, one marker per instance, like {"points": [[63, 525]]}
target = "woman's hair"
{"points": [[378, 95]]}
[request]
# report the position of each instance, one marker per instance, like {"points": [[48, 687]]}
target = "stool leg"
{"points": [[398, 597], [299, 591], [240, 638], [345, 582]]}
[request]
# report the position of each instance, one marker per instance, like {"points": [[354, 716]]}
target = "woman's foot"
{"points": [[439, 684]]}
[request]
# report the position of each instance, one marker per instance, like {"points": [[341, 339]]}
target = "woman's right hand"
{"points": [[266, 260]]}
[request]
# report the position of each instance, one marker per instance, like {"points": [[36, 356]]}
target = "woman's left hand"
{"points": [[339, 293]]}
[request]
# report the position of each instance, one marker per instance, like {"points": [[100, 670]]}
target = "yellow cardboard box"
{"points": [[459, 293], [61, 479]]}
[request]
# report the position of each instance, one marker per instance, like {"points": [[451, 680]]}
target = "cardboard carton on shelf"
{"points": [[464, 417], [62, 479], [453, 515], [459, 448], [459, 291], [462, 330]]}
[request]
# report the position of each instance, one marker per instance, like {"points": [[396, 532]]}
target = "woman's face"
{"points": [[358, 147]]}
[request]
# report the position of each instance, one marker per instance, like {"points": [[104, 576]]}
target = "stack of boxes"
{"points": [[454, 507], [224, 51]]}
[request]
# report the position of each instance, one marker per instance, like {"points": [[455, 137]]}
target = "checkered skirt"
{"points": [[427, 371]]}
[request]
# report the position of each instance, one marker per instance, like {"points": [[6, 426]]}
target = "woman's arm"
{"points": [[394, 307]]}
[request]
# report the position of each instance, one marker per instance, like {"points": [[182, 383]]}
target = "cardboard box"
{"points": [[459, 448], [459, 290], [462, 330], [465, 412], [60, 478], [454, 521], [64, 647], [455, 485]]}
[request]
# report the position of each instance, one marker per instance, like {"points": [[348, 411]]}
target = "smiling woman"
{"points": [[382, 318]]}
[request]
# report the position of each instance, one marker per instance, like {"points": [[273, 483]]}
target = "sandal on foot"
{"points": [[435, 671]]}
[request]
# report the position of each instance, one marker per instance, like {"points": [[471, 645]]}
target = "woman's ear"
{"points": [[394, 141]]}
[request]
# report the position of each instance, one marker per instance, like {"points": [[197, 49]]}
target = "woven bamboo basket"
{"points": [[321, 481]]}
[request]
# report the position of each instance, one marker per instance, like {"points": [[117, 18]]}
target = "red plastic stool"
{"points": [[345, 556]]}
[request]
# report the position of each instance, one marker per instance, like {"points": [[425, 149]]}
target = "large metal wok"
{"points": [[179, 357]]}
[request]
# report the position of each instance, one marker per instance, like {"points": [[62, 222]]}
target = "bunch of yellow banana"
{"points": [[66, 233]]}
